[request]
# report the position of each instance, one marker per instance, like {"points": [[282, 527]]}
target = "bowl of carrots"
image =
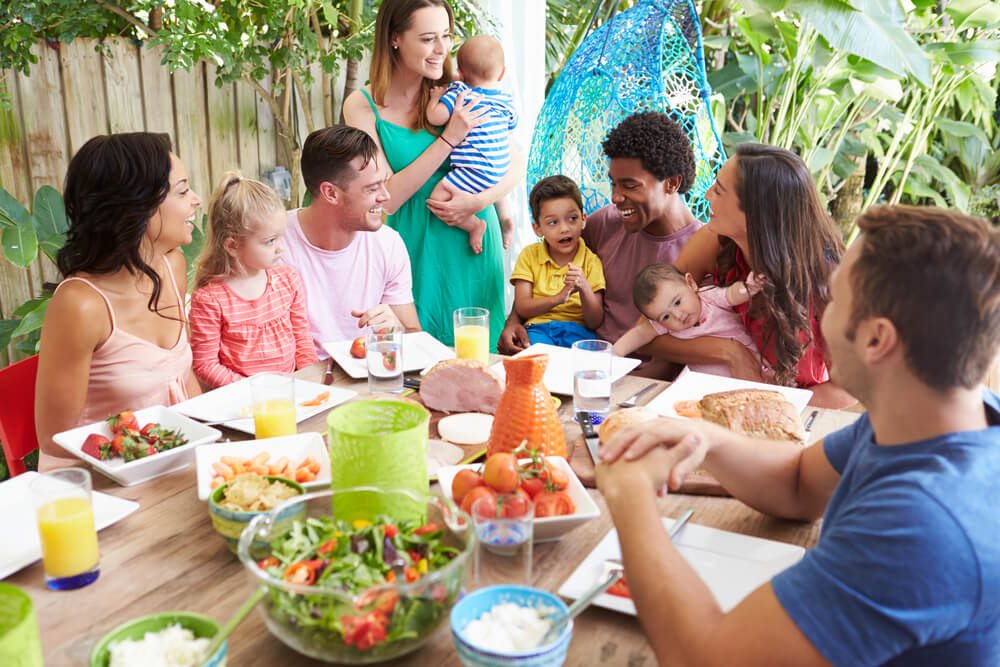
{"points": [[301, 458]]}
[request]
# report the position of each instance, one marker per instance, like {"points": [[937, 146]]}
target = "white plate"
{"points": [[730, 564], [20, 546], [692, 386], [295, 447], [420, 350], [559, 373], [547, 528], [234, 399], [149, 467]]}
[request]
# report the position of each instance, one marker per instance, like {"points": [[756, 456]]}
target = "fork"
{"points": [[631, 401]]}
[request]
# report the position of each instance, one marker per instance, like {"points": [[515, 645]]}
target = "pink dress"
{"points": [[131, 373]]}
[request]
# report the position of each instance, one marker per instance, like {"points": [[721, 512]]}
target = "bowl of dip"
{"points": [[503, 625]]}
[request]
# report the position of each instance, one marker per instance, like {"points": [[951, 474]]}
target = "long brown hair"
{"points": [[394, 17], [792, 241]]}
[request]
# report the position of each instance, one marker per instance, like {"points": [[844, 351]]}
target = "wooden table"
{"points": [[166, 556]]}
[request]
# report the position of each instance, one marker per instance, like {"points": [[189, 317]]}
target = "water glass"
{"points": [[472, 334], [504, 529], [384, 351], [592, 378], [65, 517], [273, 400]]}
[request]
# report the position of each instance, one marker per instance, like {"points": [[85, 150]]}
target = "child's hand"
{"points": [[436, 93], [574, 278]]}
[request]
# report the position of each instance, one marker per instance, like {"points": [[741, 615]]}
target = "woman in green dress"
{"points": [[410, 58]]}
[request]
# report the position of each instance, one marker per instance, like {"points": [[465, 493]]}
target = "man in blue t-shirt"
{"points": [[907, 567]]}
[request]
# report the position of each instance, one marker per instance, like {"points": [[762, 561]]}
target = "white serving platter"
{"points": [[548, 528], [234, 400], [693, 386], [420, 351], [558, 377], [731, 565], [20, 546], [141, 470]]}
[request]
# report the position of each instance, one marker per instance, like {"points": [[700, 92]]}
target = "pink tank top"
{"points": [[131, 373]]}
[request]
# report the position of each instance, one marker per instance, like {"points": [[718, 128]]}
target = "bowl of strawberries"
{"points": [[561, 502]]}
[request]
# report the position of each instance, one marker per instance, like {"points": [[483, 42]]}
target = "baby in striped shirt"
{"points": [[482, 159]]}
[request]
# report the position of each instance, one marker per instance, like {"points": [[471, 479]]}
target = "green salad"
{"points": [[353, 567]]}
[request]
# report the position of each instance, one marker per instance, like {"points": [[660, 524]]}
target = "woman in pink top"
{"points": [[114, 336], [248, 314]]}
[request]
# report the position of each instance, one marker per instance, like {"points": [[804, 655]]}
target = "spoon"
{"points": [[613, 571], [234, 620]]}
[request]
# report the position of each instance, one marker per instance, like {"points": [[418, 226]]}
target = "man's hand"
{"points": [[672, 447], [513, 338], [378, 316]]}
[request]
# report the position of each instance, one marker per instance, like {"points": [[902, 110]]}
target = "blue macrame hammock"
{"points": [[648, 58]]}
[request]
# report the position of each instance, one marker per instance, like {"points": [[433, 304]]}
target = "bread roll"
{"points": [[758, 413], [622, 418]]}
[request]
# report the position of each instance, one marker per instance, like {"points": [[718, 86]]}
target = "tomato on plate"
{"points": [[487, 508], [620, 588], [464, 481], [532, 486], [358, 348], [500, 472], [555, 476], [553, 503], [514, 505]]}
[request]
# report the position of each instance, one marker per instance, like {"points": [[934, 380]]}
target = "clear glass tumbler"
{"points": [[592, 378], [472, 334], [65, 517], [504, 528], [273, 396], [384, 356]]}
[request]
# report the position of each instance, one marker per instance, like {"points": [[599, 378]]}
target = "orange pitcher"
{"points": [[526, 410]]}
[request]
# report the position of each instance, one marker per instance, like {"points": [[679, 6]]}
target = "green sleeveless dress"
{"points": [[446, 273]]}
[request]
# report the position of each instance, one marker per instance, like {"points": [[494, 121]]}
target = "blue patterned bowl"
{"points": [[474, 605], [230, 523]]}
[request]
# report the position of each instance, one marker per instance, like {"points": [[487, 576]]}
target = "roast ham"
{"points": [[461, 385]]}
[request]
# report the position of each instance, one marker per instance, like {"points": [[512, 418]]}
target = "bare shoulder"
{"points": [[357, 111], [77, 307]]}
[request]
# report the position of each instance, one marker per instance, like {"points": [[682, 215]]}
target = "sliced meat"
{"points": [[461, 385]]}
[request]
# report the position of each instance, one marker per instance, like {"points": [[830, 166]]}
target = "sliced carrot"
{"points": [[216, 481], [303, 475], [319, 399], [234, 462], [313, 467], [222, 469], [261, 458]]}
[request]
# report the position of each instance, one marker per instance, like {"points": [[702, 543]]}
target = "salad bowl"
{"points": [[349, 588]]}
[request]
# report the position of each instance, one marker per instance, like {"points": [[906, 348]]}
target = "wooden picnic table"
{"points": [[166, 556]]}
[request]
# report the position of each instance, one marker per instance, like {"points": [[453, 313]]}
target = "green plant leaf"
{"points": [[192, 250], [960, 128], [49, 214], [973, 13], [29, 305], [20, 244], [12, 212], [968, 53], [6, 329], [32, 320]]}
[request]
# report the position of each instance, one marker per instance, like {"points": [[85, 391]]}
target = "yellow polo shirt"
{"points": [[547, 279]]}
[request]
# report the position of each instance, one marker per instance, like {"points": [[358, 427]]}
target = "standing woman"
{"points": [[115, 333], [410, 58]]}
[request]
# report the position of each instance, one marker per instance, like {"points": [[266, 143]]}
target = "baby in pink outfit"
{"points": [[672, 303]]}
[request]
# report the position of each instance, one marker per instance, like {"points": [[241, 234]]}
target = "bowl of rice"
{"points": [[233, 505], [178, 638]]}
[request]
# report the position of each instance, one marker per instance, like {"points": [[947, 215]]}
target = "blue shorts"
{"points": [[562, 334]]}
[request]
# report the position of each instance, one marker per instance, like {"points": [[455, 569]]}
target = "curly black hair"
{"points": [[658, 141]]}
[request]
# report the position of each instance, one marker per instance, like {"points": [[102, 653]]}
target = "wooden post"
{"points": [[123, 86], [83, 90], [222, 126], [157, 93], [246, 129], [192, 132]]}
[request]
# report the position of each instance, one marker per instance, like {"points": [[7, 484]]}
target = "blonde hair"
{"points": [[394, 17], [236, 208], [480, 59]]}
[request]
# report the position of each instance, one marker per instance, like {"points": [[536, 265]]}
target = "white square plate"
{"points": [[20, 546], [295, 447], [420, 350], [547, 528], [693, 386], [559, 373], [730, 564], [234, 399], [149, 467]]}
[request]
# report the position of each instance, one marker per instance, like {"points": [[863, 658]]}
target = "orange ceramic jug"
{"points": [[526, 410]]}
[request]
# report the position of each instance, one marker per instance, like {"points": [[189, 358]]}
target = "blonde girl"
{"points": [[248, 313]]}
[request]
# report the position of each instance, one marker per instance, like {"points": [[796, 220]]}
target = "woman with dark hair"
{"points": [[115, 333], [410, 59], [767, 218]]}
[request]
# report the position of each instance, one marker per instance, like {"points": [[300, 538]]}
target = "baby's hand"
{"points": [[436, 93]]}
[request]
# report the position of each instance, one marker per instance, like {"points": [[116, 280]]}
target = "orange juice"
{"points": [[69, 540], [472, 342], [273, 418]]}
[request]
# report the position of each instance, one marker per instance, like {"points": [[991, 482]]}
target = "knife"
{"points": [[589, 434], [328, 375]]}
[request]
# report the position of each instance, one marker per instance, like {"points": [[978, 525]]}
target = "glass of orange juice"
{"points": [[66, 529], [472, 334], [273, 396]]}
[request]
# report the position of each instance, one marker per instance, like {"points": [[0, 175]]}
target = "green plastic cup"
{"points": [[19, 642], [382, 444]]}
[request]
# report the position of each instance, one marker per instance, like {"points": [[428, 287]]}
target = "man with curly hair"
{"points": [[647, 222]]}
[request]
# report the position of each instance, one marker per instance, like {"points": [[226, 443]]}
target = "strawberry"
{"points": [[98, 446], [118, 444], [122, 421], [358, 348], [389, 360]]}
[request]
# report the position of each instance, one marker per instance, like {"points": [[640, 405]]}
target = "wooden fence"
{"points": [[76, 91]]}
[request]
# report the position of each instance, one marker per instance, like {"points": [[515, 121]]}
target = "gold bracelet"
{"points": [[441, 137]]}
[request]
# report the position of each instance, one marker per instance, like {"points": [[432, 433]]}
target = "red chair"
{"points": [[17, 412]]}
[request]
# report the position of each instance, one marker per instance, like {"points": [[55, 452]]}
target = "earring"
{"points": [[395, 47]]}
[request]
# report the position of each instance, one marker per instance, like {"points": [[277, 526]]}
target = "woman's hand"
{"points": [[463, 118], [744, 364], [461, 206]]}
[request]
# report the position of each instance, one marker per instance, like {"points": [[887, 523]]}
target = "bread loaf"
{"points": [[758, 413], [461, 385], [619, 420]]}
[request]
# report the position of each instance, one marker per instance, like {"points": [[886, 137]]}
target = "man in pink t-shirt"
{"points": [[651, 167], [356, 271]]}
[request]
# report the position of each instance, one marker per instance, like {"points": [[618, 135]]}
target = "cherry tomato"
{"points": [[620, 588], [466, 480], [486, 508], [532, 486], [553, 503], [514, 505], [304, 572], [500, 472], [556, 476]]}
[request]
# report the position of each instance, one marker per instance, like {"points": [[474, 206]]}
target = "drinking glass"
{"points": [[504, 528], [592, 378], [472, 334], [384, 352], [273, 396], [66, 529]]}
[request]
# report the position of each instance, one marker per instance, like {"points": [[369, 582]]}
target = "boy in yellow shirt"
{"points": [[558, 282]]}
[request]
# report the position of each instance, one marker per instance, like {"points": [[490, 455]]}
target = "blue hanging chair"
{"points": [[647, 58]]}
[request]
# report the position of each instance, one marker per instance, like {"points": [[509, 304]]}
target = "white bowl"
{"points": [[547, 528], [295, 447], [141, 470]]}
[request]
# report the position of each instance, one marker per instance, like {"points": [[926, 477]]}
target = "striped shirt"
{"points": [[233, 338], [482, 159]]}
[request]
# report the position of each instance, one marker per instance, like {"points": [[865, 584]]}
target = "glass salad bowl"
{"points": [[345, 586]]}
